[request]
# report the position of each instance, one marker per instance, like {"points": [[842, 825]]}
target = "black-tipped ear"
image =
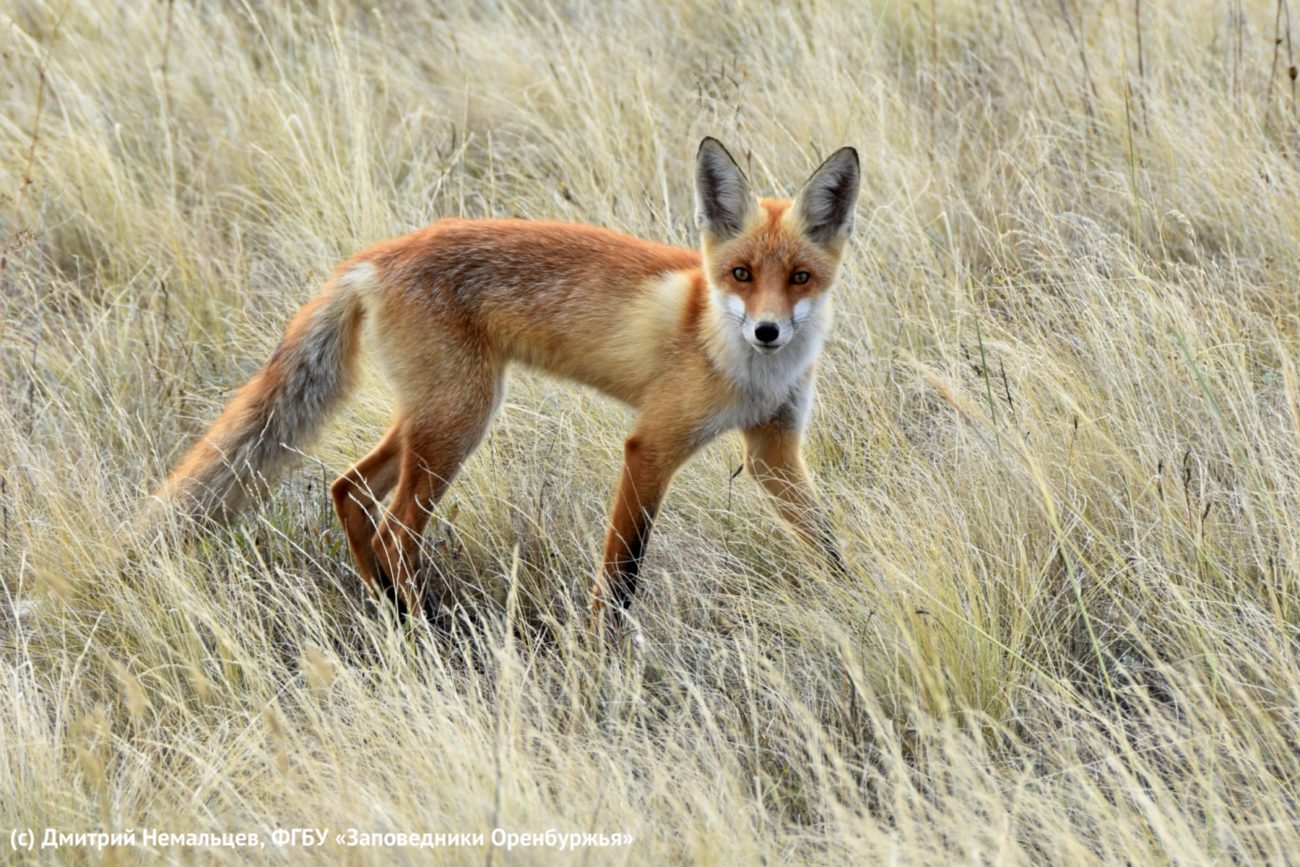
{"points": [[723, 199], [828, 198]]}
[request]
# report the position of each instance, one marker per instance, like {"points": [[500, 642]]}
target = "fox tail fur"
{"points": [[278, 411]]}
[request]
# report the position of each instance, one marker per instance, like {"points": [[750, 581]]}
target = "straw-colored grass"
{"points": [[1058, 429]]}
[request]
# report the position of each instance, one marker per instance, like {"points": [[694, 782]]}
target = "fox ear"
{"points": [[826, 202], [723, 199]]}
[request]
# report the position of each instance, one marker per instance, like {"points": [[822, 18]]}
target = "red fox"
{"points": [[699, 342]]}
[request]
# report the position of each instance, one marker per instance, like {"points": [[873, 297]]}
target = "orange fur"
{"points": [[448, 308]]}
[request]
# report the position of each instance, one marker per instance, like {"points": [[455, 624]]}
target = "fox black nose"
{"points": [[766, 332]]}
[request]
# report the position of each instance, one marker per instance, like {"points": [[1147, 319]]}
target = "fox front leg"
{"points": [[773, 454], [650, 459]]}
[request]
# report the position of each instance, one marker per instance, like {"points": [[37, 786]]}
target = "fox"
{"points": [[699, 342]]}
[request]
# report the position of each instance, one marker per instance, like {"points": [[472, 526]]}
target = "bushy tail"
{"points": [[278, 410]]}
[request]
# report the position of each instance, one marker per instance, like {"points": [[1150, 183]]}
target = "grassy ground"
{"points": [[1057, 427]]}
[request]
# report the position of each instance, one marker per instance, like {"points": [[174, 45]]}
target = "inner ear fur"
{"points": [[828, 199], [724, 200]]}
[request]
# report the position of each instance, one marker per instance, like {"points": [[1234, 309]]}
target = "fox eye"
{"points": [[742, 274], [800, 277]]}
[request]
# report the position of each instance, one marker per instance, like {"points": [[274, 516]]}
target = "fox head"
{"points": [[769, 262]]}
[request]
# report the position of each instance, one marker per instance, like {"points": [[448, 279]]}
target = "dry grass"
{"points": [[1058, 427]]}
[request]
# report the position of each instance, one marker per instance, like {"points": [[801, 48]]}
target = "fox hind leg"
{"points": [[436, 440], [358, 494]]}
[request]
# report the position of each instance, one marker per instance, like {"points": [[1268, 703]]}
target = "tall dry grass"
{"points": [[1058, 427]]}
